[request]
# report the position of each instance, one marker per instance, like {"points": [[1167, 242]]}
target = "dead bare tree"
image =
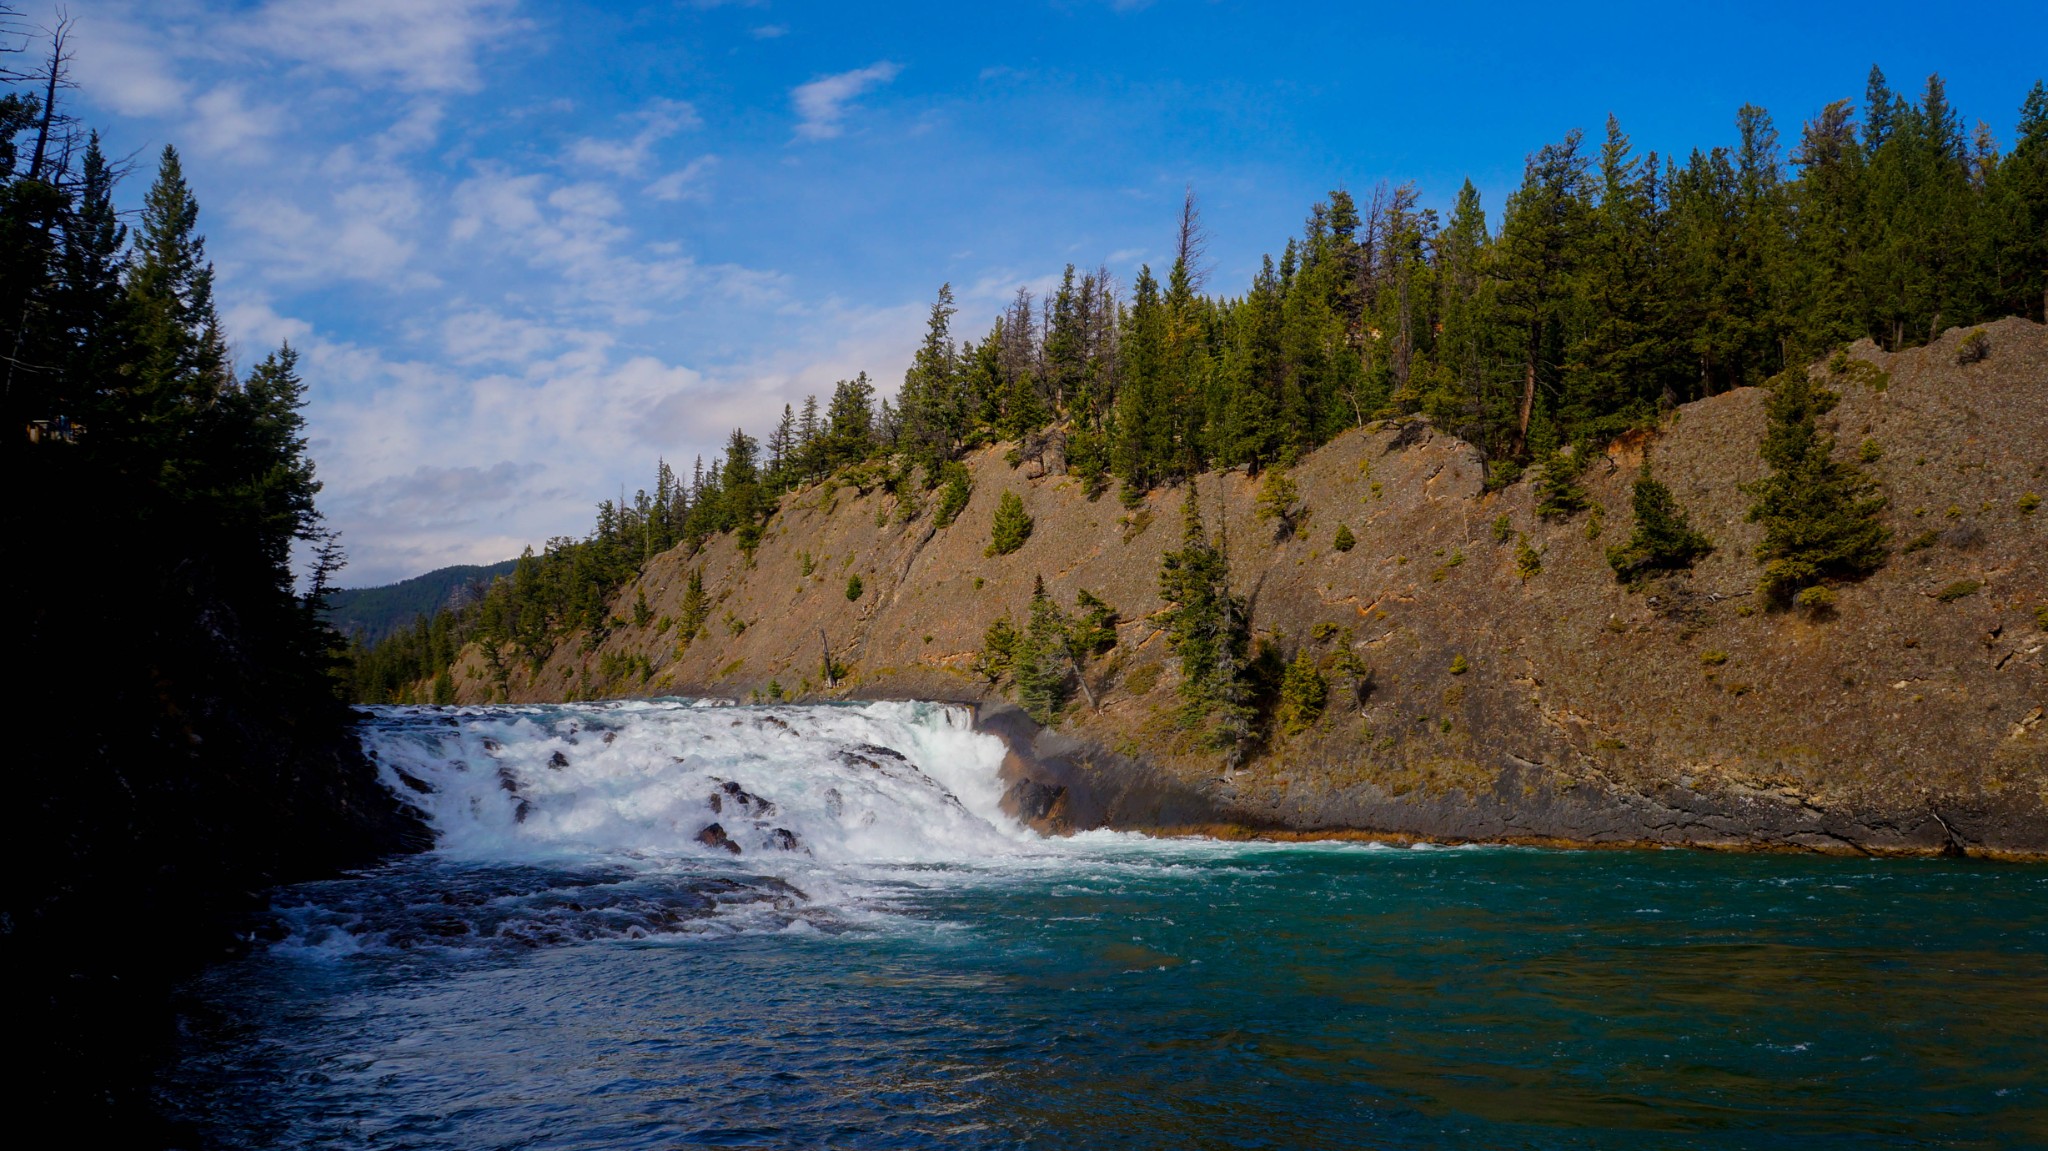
{"points": [[52, 122], [1191, 242]]}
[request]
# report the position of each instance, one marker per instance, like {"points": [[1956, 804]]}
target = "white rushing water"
{"points": [[638, 819], [670, 779]]}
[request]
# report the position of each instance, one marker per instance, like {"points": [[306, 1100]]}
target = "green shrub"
{"points": [[1278, 501], [1010, 528], [1323, 632], [1502, 529], [2028, 504], [1303, 694], [1817, 600], [1713, 658], [1924, 540], [1860, 372], [1142, 680], [998, 649], [953, 496], [1460, 665], [1870, 452], [854, 587], [1975, 348], [1663, 539], [1959, 589], [1094, 629], [1528, 561], [1344, 540], [1558, 494]]}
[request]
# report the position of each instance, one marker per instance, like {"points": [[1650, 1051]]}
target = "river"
{"points": [[886, 961]]}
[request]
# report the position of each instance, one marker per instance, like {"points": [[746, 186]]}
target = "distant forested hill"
{"points": [[372, 613]]}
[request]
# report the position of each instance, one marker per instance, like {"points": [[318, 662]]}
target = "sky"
{"points": [[527, 249]]}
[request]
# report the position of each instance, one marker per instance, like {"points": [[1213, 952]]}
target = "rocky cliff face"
{"points": [[1910, 719]]}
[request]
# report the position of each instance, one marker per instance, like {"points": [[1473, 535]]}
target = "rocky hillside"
{"points": [[1553, 706]]}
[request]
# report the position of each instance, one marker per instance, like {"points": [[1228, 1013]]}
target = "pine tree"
{"points": [[695, 608], [849, 435], [998, 649], [1206, 627], [782, 451], [1144, 450], [952, 496], [1010, 528], [1539, 237], [1278, 502], [1819, 514], [1042, 657], [181, 359], [2017, 215], [1344, 540], [1663, 540], [1303, 694], [929, 407], [1558, 494], [808, 431]]}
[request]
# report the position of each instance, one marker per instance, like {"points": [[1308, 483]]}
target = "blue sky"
{"points": [[527, 248]]}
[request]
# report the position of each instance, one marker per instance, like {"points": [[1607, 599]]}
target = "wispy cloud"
{"points": [[822, 104], [418, 45], [685, 183], [771, 31], [628, 157]]}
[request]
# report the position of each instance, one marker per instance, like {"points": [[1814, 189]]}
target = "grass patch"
{"points": [[1959, 589]]}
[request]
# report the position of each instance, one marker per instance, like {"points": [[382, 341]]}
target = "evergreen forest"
{"points": [[1613, 285], [182, 744]]}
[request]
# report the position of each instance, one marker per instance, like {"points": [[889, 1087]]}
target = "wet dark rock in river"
{"points": [[783, 839], [558, 761], [714, 836], [1033, 800]]}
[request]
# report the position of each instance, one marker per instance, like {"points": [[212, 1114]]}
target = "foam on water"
{"points": [[679, 818], [878, 782], [670, 818]]}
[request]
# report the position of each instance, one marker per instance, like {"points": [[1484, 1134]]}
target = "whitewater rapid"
{"points": [[676, 779], [652, 818]]}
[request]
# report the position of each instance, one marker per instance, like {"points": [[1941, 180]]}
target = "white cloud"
{"points": [[126, 68], [225, 122], [418, 45], [771, 31], [686, 183], [574, 231], [662, 119], [821, 105]]}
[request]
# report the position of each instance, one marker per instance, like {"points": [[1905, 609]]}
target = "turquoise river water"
{"points": [[886, 962]]}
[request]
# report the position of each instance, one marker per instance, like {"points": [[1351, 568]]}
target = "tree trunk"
{"points": [[1528, 404]]}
